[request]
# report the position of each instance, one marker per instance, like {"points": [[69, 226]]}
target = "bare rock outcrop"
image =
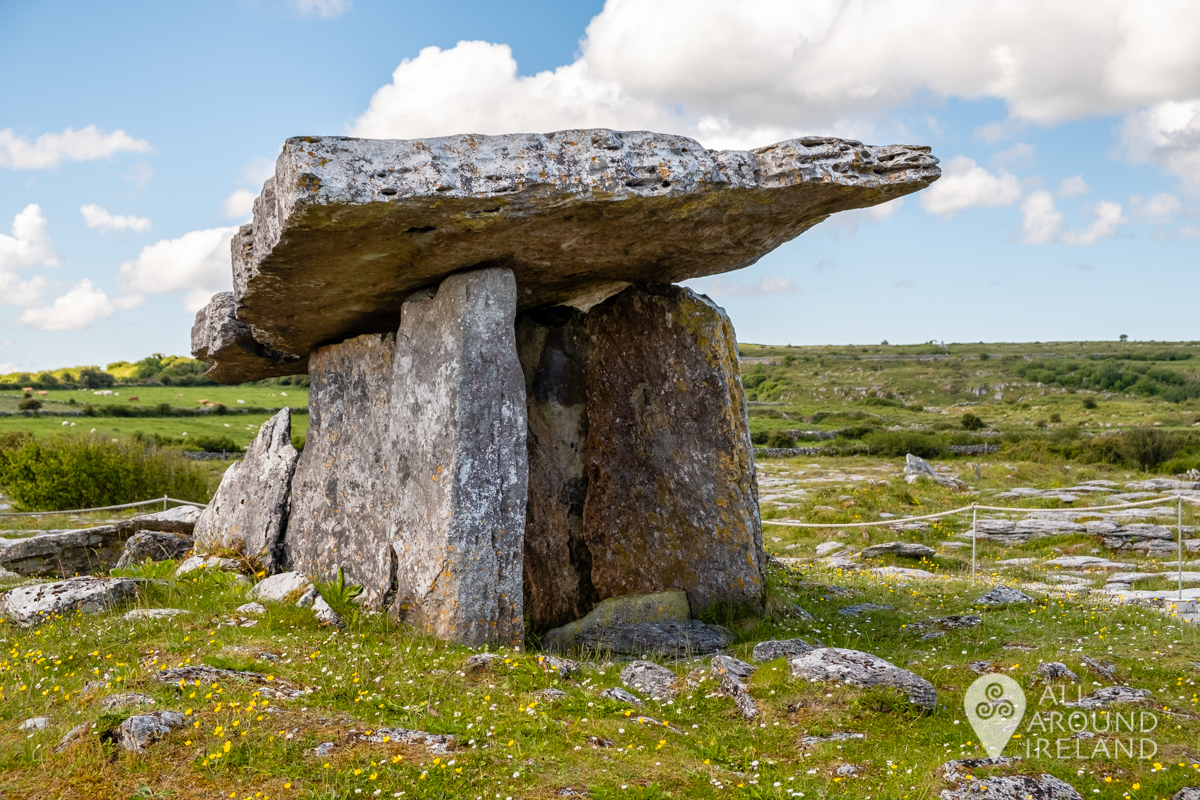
{"points": [[29, 605], [862, 669], [249, 511]]}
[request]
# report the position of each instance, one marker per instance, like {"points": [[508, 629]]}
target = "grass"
{"points": [[241, 429]]}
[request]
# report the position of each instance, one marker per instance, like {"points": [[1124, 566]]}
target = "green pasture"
{"points": [[242, 428]]}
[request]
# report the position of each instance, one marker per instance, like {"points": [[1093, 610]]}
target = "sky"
{"points": [[134, 136]]}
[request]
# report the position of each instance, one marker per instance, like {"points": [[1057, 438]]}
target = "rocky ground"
{"points": [[202, 679]]}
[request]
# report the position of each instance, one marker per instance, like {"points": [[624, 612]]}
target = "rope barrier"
{"points": [[164, 500]]}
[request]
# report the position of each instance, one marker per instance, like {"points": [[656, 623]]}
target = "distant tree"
{"points": [[1089, 403], [971, 422], [29, 404], [884, 343], [47, 379], [95, 379], [1124, 337]]}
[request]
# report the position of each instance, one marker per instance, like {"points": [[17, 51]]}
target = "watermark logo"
{"points": [[995, 705]]}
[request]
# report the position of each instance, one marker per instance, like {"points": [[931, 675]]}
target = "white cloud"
{"points": [[767, 285], [1190, 232], [81, 307], [196, 263], [1042, 223], [1019, 152], [239, 204], [964, 185], [29, 245], [1167, 135], [1074, 186], [750, 73], [49, 149], [97, 217], [139, 175], [320, 8], [1159, 208]]}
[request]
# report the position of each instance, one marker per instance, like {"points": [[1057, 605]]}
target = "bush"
{"points": [[29, 404], [755, 438], [1149, 447], [1089, 403], [781, 439], [899, 443], [971, 422], [73, 472]]}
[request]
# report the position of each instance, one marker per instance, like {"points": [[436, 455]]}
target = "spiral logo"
{"points": [[995, 705]]}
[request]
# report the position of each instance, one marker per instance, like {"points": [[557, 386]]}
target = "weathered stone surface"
{"points": [[1055, 671], [180, 519], [268, 685], [668, 606], [194, 563], [155, 546], [916, 468], [649, 678], [343, 485], [253, 609], [29, 605], [676, 639], [1002, 595], [839, 736], [970, 786], [461, 466], [1108, 695], [139, 732], [34, 724], [904, 549], [858, 609], [862, 669], [728, 665], [621, 696], [138, 614], [125, 700], [778, 648], [438, 743], [74, 735], [249, 511], [347, 228], [282, 588], [325, 614], [552, 347], [1188, 793], [64, 553], [731, 686], [672, 500]]}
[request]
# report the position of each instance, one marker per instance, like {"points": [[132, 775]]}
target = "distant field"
{"points": [[182, 396], [241, 428]]}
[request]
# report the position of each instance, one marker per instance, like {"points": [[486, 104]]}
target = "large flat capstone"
{"points": [[348, 228]]}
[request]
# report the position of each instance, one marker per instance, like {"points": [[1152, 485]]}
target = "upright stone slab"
{"points": [[672, 500], [342, 488], [458, 445], [552, 346], [249, 511]]}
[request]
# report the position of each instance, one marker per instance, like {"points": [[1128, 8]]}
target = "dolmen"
{"points": [[515, 412]]}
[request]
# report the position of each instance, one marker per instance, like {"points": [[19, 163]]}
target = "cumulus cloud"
{"points": [[767, 285], [1168, 136], [97, 217], [320, 8], [1159, 208], [139, 175], [29, 245], [1073, 187], [837, 67], [239, 204], [1019, 152], [196, 263], [81, 307], [1042, 223], [964, 184], [50, 149]]}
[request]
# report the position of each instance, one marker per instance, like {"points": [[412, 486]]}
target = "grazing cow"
{"points": [[133, 398], [42, 393], [202, 402]]}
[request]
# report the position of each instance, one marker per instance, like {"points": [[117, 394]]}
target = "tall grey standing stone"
{"points": [[461, 469], [672, 500], [552, 347], [342, 488], [249, 511]]}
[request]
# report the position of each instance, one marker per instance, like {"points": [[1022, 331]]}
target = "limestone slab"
{"points": [[347, 228]]}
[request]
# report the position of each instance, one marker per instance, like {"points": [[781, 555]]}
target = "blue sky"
{"points": [[1071, 142]]}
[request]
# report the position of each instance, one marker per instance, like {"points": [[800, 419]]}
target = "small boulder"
{"points": [[181, 519], [1187, 793], [138, 614], [139, 732], [649, 678], [437, 743], [155, 546], [481, 661], [1108, 695], [125, 700], [251, 608], [208, 562], [282, 587], [668, 606], [778, 648], [73, 735], [325, 614], [728, 665], [862, 669], [676, 639], [1002, 595], [562, 667], [916, 468], [1055, 671], [863, 608], [34, 724], [902, 549], [621, 696], [828, 548], [29, 605], [731, 686], [840, 736]]}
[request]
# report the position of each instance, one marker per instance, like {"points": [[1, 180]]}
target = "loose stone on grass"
{"points": [[778, 648], [650, 678], [1002, 595], [862, 669], [29, 605], [139, 732]]}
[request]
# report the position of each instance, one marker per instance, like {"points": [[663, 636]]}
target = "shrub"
{"points": [[755, 438], [84, 472], [1056, 417], [971, 422], [899, 443], [1181, 464], [1149, 447], [781, 439], [29, 404], [1089, 402]]}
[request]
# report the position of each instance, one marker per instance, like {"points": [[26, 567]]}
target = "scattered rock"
{"points": [[208, 562], [668, 606], [73, 735], [916, 468], [180, 519], [1001, 787], [1086, 562], [551, 694], [155, 546], [323, 749], [480, 661], [249, 510], [34, 724], [649, 678], [841, 736], [1107, 669], [956, 622], [251, 608], [731, 686], [125, 700], [325, 614], [436, 743], [63, 553], [728, 665], [1188, 793], [29, 605], [848, 770], [902, 549], [778, 648], [270, 686], [981, 667], [1002, 595], [562, 667], [142, 730], [138, 614], [904, 573], [827, 548], [1108, 695], [1055, 671], [282, 588], [862, 669], [675, 639], [621, 696], [863, 608]]}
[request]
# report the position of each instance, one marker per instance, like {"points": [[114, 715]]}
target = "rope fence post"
{"points": [[164, 502]]}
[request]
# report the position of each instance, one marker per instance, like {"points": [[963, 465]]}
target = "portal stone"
{"points": [[552, 347], [457, 443], [249, 511], [672, 500], [342, 489]]}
